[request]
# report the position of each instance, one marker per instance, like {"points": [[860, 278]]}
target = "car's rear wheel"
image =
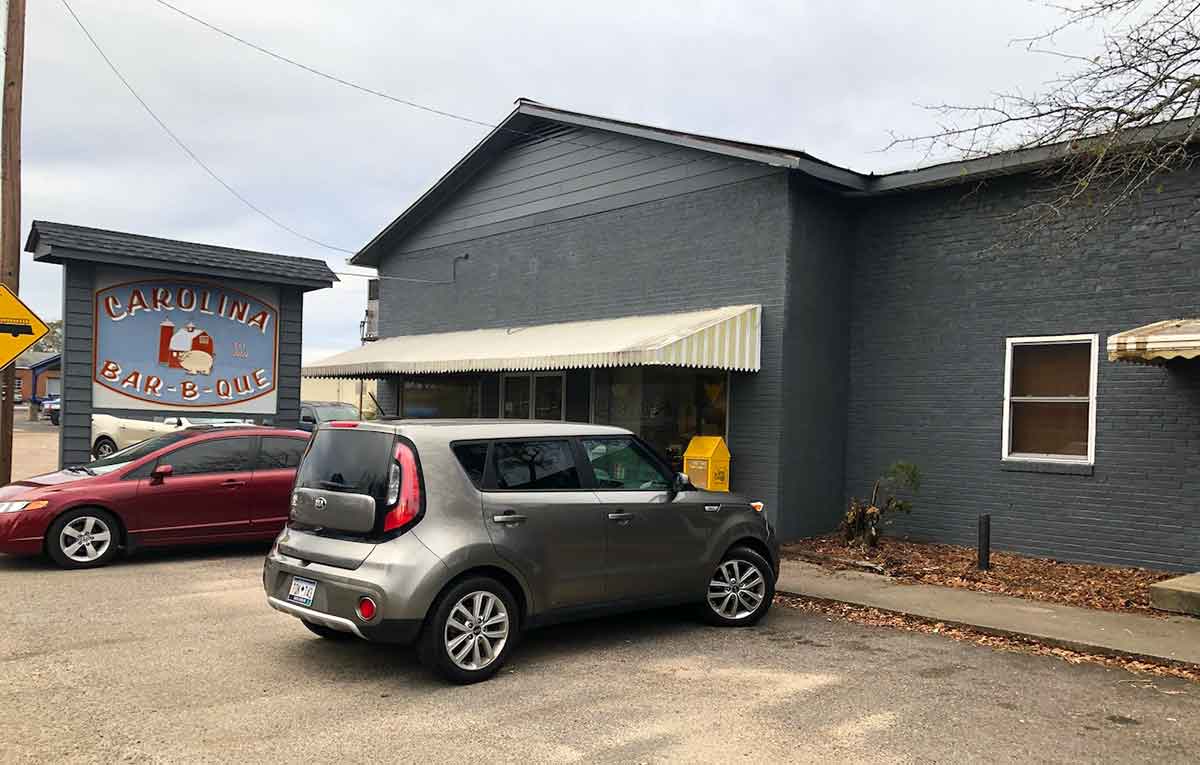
{"points": [[104, 447], [85, 537], [471, 630], [326, 632], [741, 589]]}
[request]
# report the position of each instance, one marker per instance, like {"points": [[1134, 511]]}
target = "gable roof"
{"points": [[59, 242], [522, 123]]}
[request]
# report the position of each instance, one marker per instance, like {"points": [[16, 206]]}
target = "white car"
{"points": [[111, 434]]}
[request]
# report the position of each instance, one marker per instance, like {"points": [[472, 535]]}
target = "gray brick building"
{"points": [[890, 327]]}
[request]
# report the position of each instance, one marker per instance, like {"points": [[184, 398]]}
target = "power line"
{"points": [[381, 94], [319, 73], [179, 142]]}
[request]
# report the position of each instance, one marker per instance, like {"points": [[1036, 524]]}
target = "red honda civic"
{"points": [[201, 484]]}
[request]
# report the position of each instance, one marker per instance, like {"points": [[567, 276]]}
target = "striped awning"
{"points": [[1157, 342], [715, 338]]}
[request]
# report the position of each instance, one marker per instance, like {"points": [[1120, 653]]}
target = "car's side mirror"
{"points": [[160, 472], [680, 483]]}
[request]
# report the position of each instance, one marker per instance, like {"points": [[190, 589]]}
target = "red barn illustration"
{"points": [[187, 348]]}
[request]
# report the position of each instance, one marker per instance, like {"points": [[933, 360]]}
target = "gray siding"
{"points": [[718, 246], [573, 172], [931, 312], [75, 431], [291, 338], [815, 362]]}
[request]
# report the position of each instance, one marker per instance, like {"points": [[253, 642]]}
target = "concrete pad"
{"points": [[1181, 595], [1173, 639]]}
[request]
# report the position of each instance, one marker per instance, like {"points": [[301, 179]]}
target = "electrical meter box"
{"points": [[706, 463]]}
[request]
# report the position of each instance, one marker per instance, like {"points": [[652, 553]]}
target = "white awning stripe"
{"points": [[717, 338]]}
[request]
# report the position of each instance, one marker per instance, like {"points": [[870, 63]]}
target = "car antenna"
{"points": [[379, 408]]}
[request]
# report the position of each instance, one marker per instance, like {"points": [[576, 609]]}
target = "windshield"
{"points": [[122, 458], [327, 412]]}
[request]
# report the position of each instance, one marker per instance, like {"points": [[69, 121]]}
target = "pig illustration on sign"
{"points": [[188, 348], [196, 362]]}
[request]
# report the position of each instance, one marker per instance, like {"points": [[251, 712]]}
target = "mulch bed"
{"points": [[1076, 584]]}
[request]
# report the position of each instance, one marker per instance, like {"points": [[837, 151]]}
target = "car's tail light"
{"points": [[404, 489], [343, 424], [758, 506], [366, 609]]}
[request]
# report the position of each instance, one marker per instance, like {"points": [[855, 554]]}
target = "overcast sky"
{"points": [[831, 78]]}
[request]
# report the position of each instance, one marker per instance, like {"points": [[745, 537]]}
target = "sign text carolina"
{"points": [[176, 343]]}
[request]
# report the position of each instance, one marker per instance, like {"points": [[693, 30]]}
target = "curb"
{"points": [[1070, 645]]}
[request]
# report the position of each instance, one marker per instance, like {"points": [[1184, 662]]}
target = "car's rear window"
{"points": [[349, 460]]}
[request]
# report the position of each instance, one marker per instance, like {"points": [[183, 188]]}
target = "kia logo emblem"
{"points": [[319, 503]]}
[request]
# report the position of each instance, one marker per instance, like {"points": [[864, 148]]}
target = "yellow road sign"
{"points": [[20, 328]]}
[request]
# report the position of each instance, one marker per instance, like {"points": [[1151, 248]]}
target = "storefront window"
{"points": [[663, 405], [442, 396]]}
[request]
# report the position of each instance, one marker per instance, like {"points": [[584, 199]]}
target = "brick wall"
{"points": [[931, 310], [720, 246]]}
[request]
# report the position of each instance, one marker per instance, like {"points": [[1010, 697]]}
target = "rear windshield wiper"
{"points": [[80, 469], [337, 486]]}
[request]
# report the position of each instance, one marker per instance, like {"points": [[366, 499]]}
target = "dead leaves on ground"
{"points": [[1105, 588]]}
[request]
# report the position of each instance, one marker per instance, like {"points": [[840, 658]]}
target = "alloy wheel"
{"points": [[105, 449], [736, 589], [85, 539], [476, 630]]}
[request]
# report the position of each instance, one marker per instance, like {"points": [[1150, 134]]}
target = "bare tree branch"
{"points": [[1118, 119]]}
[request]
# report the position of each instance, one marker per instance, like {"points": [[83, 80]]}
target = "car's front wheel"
{"points": [[85, 537], [741, 589], [471, 630]]}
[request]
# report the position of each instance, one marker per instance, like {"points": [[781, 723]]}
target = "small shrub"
{"points": [[864, 520]]}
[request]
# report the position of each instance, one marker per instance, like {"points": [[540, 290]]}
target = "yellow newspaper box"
{"points": [[706, 463]]}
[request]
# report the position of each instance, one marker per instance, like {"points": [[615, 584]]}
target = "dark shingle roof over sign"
{"points": [[58, 242]]}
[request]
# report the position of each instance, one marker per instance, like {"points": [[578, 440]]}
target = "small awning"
{"points": [[716, 338], [1157, 342]]}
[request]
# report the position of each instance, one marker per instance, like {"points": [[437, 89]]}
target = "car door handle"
{"points": [[712, 508], [620, 517], [508, 518], [232, 483]]}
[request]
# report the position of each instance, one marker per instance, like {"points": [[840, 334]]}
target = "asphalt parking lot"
{"points": [[173, 656], [35, 445]]}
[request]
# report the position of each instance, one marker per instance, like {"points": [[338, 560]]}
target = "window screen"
{"points": [[535, 465]]}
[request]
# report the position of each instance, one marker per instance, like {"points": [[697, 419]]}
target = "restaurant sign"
{"points": [[174, 343]]}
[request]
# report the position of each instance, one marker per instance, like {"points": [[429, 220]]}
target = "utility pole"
{"points": [[10, 205]]}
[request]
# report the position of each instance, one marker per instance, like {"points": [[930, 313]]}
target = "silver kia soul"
{"points": [[460, 534]]}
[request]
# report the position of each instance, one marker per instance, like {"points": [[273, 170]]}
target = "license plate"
{"points": [[302, 591]]}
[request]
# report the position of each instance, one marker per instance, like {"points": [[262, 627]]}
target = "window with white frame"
{"points": [[1050, 398]]}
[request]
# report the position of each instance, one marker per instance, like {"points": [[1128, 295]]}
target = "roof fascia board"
{"points": [[764, 154], [1010, 162], [779, 159], [59, 255]]}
